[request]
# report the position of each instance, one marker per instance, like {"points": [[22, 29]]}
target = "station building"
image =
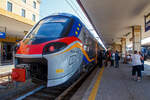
{"points": [[16, 19]]}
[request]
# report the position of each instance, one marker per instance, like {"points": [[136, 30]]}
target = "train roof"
{"points": [[65, 14], [73, 17]]}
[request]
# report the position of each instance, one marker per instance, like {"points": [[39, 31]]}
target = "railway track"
{"points": [[55, 93]]}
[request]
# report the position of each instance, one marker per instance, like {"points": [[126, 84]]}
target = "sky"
{"points": [[48, 7], [54, 6]]}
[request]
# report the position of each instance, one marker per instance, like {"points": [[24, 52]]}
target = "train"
{"points": [[56, 50]]}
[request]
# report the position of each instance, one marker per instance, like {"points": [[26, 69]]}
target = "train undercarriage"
{"points": [[36, 68]]}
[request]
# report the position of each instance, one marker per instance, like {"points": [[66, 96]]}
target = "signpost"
{"points": [[147, 22], [2, 35]]}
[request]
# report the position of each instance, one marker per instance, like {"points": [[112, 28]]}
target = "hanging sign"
{"points": [[2, 35], [147, 22]]}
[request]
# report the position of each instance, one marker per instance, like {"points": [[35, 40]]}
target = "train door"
{"points": [[86, 45], [82, 36], [76, 56]]}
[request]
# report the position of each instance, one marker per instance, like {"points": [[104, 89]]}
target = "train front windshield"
{"points": [[49, 29]]}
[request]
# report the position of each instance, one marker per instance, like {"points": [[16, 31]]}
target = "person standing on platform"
{"points": [[106, 58], [142, 61], [117, 58], [113, 59], [136, 65], [100, 59], [109, 58]]}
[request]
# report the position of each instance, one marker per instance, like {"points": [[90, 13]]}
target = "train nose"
{"points": [[30, 49]]}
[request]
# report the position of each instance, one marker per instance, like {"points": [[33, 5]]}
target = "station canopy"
{"points": [[13, 27], [13, 24], [114, 18]]}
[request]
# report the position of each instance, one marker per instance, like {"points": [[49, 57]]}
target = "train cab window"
{"points": [[50, 29], [45, 29]]}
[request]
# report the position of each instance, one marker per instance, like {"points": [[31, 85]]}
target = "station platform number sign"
{"points": [[2, 35], [147, 22]]}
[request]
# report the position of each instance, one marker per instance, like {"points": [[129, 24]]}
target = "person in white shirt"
{"points": [[136, 65]]}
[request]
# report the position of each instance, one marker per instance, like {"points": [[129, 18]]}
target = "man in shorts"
{"points": [[136, 65]]}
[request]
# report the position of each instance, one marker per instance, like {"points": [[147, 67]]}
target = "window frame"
{"points": [[34, 4], [23, 13], [33, 17], [11, 6], [24, 1]]}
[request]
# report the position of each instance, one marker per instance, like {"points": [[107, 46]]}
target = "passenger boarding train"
{"points": [[55, 50]]}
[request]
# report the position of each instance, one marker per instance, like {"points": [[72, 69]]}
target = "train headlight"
{"points": [[54, 47], [51, 48]]}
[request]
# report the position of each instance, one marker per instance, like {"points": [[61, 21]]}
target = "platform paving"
{"points": [[116, 84], [84, 91]]}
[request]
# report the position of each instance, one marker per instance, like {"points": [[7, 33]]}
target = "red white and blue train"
{"points": [[55, 50]]}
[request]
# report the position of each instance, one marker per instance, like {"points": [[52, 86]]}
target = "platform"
{"points": [[115, 84], [6, 68], [5, 72]]}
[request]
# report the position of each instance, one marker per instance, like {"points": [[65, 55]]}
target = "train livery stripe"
{"points": [[78, 45], [27, 49]]}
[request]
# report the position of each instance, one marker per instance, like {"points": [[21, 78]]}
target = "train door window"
{"points": [[81, 36], [84, 38], [91, 47]]}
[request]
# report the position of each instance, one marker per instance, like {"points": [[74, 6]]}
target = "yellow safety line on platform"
{"points": [[96, 85]]}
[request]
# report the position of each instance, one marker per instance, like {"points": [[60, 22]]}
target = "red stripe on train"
{"points": [[38, 48]]}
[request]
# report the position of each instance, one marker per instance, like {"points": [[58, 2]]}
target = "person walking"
{"points": [[117, 58], [136, 66]]}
